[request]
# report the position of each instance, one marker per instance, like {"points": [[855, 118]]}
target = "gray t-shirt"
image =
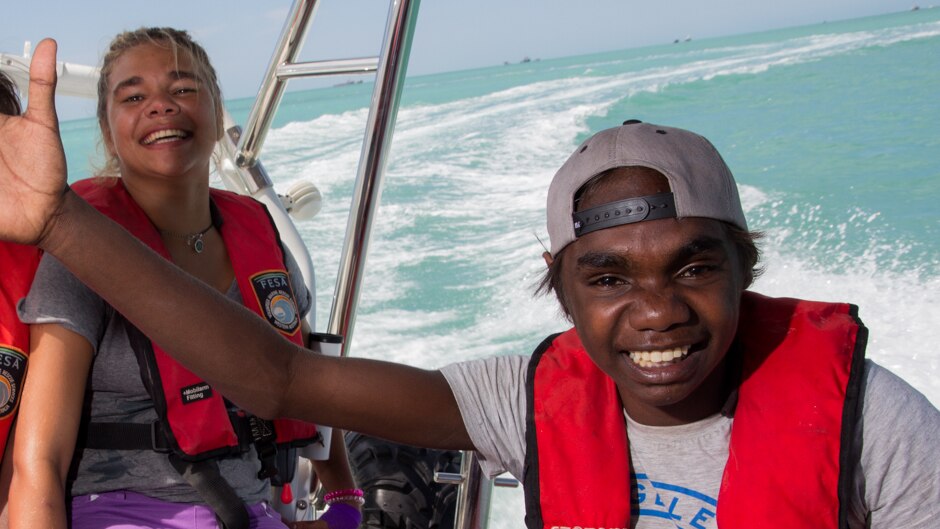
{"points": [[115, 392], [677, 470]]}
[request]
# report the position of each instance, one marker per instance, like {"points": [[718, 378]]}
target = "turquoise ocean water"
{"points": [[832, 131]]}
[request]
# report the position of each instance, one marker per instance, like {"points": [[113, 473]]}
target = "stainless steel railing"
{"points": [[380, 126], [390, 68]]}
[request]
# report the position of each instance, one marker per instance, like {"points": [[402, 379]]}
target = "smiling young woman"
{"points": [[115, 432]]}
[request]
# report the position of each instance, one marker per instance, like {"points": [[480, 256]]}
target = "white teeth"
{"points": [[165, 135], [659, 358]]}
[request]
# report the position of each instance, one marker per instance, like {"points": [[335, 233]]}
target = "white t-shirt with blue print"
{"points": [[674, 476]]}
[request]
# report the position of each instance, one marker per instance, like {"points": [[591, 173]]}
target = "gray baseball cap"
{"points": [[701, 183]]}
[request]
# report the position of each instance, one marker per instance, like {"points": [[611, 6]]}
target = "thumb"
{"points": [[42, 80]]}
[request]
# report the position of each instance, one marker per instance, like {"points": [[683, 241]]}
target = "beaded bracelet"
{"points": [[358, 500], [329, 497]]}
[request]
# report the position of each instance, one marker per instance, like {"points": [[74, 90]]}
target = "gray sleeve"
{"points": [[492, 399], [305, 298], [57, 296], [899, 481]]}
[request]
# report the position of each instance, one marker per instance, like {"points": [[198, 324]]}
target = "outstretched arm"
{"points": [[238, 353]]}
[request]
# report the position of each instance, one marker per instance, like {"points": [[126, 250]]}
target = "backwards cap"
{"points": [[701, 183]]}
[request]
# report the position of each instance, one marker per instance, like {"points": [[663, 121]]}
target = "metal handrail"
{"points": [[472, 508], [390, 67], [241, 170], [272, 88], [318, 68], [473, 494], [380, 125]]}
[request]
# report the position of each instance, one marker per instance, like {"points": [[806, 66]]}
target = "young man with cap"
{"points": [[678, 399]]}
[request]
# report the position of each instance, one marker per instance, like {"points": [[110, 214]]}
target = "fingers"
{"points": [[42, 81]]}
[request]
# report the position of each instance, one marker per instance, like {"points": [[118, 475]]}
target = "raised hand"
{"points": [[32, 162]]}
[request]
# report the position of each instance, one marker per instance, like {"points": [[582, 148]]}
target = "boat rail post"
{"points": [[240, 168], [473, 493], [272, 88], [380, 126], [474, 490]]}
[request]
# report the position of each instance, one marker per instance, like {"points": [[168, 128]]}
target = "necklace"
{"points": [[193, 240]]}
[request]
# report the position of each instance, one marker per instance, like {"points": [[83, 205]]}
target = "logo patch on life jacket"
{"points": [[196, 392], [12, 372], [277, 300]]}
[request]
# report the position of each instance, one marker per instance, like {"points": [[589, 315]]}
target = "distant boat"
{"points": [[524, 60]]}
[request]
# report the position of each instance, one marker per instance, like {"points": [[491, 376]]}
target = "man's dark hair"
{"points": [[9, 101]]}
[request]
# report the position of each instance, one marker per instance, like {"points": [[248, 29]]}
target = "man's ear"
{"points": [[548, 259]]}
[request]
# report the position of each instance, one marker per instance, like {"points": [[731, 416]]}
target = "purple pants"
{"points": [[129, 510]]}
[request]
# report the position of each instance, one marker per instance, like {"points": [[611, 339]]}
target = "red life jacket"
{"points": [[195, 418], [790, 460], [16, 275]]}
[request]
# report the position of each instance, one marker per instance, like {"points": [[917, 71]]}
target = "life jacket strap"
{"points": [[123, 436], [264, 438], [204, 476], [151, 436]]}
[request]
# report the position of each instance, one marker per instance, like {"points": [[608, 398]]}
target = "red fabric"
{"points": [[785, 440], [582, 440], [784, 458], [17, 267], [201, 425]]}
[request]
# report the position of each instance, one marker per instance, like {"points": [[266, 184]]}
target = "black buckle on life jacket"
{"points": [[158, 440], [263, 437]]}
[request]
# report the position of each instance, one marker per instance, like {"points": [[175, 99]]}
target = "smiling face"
{"points": [[655, 304], [160, 119]]}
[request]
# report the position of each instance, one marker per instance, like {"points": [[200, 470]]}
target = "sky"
{"points": [[240, 35]]}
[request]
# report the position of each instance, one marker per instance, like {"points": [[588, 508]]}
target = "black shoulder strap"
{"points": [[131, 436], [530, 478], [851, 416]]}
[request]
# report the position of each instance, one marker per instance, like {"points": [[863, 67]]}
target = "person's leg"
{"points": [[129, 510], [263, 516]]}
